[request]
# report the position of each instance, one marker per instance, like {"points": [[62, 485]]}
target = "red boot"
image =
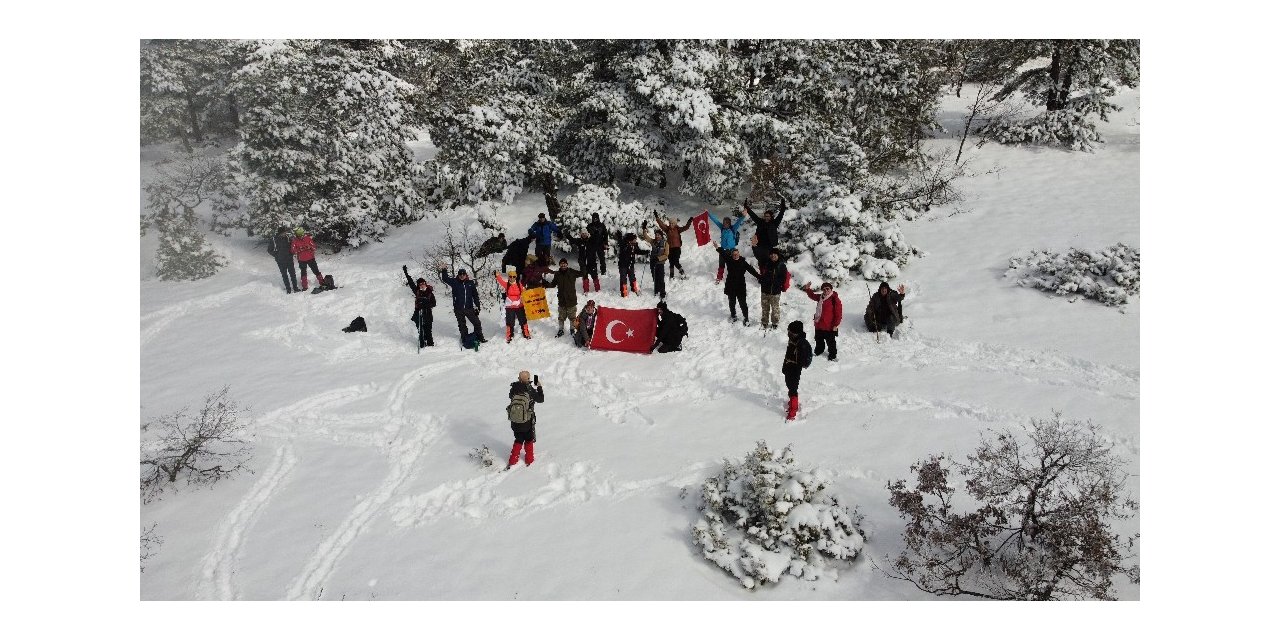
{"points": [[304, 279], [528, 453], [624, 289], [515, 455], [596, 282], [719, 275], [793, 407], [635, 289], [508, 334], [524, 329], [584, 284]]}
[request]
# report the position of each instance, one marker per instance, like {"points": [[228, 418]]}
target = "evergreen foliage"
{"points": [[1109, 276]]}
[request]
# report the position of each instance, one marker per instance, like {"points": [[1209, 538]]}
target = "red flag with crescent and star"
{"points": [[625, 329], [702, 228]]}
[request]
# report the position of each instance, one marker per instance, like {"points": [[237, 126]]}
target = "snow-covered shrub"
{"points": [[183, 182], [183, 253], [845, 238], [763, 519], [617, 216], [1109, 276], [148, 545], [1065, 128], [483, 455], [202, 449]]}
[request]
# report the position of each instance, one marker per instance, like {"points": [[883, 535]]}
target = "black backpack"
{"points": [[804, 354], [356, 325]]}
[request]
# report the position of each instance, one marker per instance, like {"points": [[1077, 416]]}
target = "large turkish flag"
{"points": [[702, 228], [625, 329]]}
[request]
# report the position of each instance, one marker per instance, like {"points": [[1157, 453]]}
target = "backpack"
{"points": [[356, 325], [804, 354], [520, 409], [471, 341], [682, 327], [431, 298]]}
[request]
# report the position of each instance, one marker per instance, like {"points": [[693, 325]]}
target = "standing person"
{"points": [[543, 230], [798, 357], [767, 227], [305, 249], [424, 298], [534, 274], [674, 240], [728, 240], [513, 302], [586, 260], [735, 285], [657, 259], [773, 277], [627, 263], [492, 245], [516, 252], [759, 251], [884, 309], [672, 329], [279, 246], [466, 302], [520, 411], [599, 242], [566, 294], [826, 320], [584, 326]]}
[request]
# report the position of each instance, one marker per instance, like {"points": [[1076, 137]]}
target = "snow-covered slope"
{"points": [[362, 488]]}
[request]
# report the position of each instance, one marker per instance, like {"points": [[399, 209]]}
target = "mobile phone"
{"points": [[535, 378]]}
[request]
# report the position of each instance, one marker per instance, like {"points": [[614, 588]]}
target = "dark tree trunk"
{"points": [[1060, 67], [193, 119], [233, 111], [550, 193]]}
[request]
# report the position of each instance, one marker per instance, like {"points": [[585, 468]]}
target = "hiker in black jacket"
{"points": [[516, 253], [423, 300], [599, 242], [525, 434], [735, 284], [672, 329], [767, 227], [466, 302], [884, 309], [278, 247], [627, 263], [798, 357], [587, 262], [773, 276]]}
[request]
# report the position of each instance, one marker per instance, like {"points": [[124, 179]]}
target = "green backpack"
{"points": [[520, 410]]}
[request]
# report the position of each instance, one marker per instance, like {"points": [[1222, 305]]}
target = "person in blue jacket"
{"points": [[466, 302], [542, 231], [728, 240]]}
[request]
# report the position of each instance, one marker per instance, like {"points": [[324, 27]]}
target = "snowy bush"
{"points": [[183, 182], [183, 253], [148, 545], [618, 217], [203, 449], [1109, 276], [844, 238], [1066, 128], [763, 519], [483, 455], [1031, 521]]}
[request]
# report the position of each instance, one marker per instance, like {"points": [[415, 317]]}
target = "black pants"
{"points": [[825, 339], [287, 274], [724, 255], [741, 298], [469, 314], [598, 252], [792, 376], [674, 257], [302, 267], [422, 318], [874, 324], [524, 432], [543, 251], [628, 274], [588, 266], [659, 279], [669, 345], [516, 314]]}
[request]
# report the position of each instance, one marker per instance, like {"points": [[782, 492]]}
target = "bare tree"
{"points": [[203, 449], [148, 545], [1040, 523], [461, 250]]}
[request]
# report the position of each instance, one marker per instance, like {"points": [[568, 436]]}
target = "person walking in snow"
{"points": [[798, 357], [584, 326], [735, 285], [424, 299], [516, 253], [513, 302], [543, 230], [599, 243], [826, 319], [279, 246], [674, 240], [728, 240], [587, 263], [672, 329], [657, 261], [773, 277], [627, 263], [466, 302], [565, 280], [304, 248], [520, 411], [884, 309]]}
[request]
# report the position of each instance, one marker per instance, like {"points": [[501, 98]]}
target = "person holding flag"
{"points": [[673, 232], [513, 301]]}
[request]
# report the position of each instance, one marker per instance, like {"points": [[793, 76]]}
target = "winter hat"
{"points": [[662, 305], [422, 280], [299, 232], [511, 271], [827, 285], [775, 251], [796, 327], [462, 272]]}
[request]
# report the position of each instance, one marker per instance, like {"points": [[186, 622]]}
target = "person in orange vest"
{"points": [[514, 302], [305, 249]]}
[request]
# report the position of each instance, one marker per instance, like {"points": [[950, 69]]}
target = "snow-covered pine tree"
{"points": [[184, 254], [1074, 80], [186, 89], [324, 140], [619, 217], [182, 184]]}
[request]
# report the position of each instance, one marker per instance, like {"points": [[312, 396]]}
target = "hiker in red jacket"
{"points": [[513, 301], [826, 319], [305, 249]]}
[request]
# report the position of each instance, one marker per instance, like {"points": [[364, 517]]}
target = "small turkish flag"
{"points": [[625, 329], [702, 228]]}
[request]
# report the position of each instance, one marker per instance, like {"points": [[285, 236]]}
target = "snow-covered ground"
{"points": [[362, 488]]}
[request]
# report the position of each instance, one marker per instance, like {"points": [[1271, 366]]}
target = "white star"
{"points": [[630, 333]]}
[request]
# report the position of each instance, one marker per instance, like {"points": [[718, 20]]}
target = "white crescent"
{"points": [[608, 331], [702, 224]]}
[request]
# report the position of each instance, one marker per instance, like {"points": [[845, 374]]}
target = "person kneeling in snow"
{"points": [[798, 357], [523, 419], [672, 329], [584, 326], [884, 309]]}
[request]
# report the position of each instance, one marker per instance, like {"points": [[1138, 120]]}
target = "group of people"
{"points": [[286, 248]]}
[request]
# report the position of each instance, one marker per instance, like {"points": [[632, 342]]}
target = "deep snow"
{"points": [[363, 489]]}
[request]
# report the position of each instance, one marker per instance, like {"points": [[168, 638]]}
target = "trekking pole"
{"points": [[418, 315]]}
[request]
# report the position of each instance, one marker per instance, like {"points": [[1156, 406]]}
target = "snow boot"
{"points": [[624, 289], [524, 329], [560, 333], [634, 288], [528, 453], [584, 284], [508, 335], [596, 282], [719, 275], [304, 280], [793, 407], [515, 455]]}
